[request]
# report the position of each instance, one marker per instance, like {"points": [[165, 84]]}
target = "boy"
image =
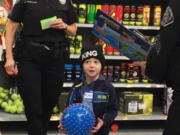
{"points": [[93, 90]]}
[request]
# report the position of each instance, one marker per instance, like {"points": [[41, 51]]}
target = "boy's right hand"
{"points": [[100, 123], [60, 127]]}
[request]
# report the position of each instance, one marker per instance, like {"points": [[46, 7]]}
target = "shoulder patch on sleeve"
{"points": [[168, 17]]}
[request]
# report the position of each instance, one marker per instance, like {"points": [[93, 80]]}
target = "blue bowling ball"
{"points": [[78, 119]]}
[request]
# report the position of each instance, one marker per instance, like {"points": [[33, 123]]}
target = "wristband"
{"points": [[66, 27]]}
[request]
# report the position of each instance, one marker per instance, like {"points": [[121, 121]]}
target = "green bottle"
{"points": [[91, 13]]}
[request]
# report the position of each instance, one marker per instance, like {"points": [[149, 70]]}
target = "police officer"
{"points": [[41, 55], [163, 62]]}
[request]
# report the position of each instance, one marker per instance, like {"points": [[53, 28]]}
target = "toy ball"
{"points": [[78, 119]]}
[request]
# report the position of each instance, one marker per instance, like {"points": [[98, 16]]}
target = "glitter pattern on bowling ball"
{"points": [[78, 119]]}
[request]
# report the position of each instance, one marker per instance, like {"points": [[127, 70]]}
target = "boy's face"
{"points": [[92, 68]]}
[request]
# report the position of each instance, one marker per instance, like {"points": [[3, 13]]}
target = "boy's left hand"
{"points": [[98, 126]]}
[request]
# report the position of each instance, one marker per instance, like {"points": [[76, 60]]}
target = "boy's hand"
{"points": [[60, 127], [98, 126]]}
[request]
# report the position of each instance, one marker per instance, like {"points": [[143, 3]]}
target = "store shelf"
{"points": [[80, 25], [76, 56], [11, 117], [129, 27], [154, 116], [138, 85], [126, 85], [21, 117]]}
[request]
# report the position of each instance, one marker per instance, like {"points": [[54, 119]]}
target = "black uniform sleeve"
{"points": [[72, 16], [160, 55], [17, 12]]}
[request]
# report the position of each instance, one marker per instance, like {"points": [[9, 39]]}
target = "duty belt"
{"points": [[46, 45]]}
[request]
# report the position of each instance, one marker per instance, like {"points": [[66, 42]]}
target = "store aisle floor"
{"points": [[120, 132]]}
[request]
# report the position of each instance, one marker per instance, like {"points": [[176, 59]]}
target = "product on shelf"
{"points": [[105, 8], [77, 71], [82, 13], [97, 8], [136, 74], [139, 16], [78, 44], [123, 73], [132, 15], [146, 15], [126, 15], [68, 72], [10, 101], [130, 71], [112, 11], [91, 13], [116, 75], [110, 73], [119, 13], [72, 44], [136, 103], [105, 72], [157, 15]]}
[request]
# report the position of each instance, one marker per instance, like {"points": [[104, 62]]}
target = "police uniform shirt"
{"points": [[30, 12]]}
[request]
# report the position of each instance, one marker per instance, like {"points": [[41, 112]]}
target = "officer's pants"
{"points": [[40, 82], [173, 122]]}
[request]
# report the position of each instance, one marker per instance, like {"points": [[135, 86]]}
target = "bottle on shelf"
{"points": [[126, 15], [68, 72], [130, 71], [110, 73], [132, 15], [77, 71], [119, 13], [116, 75], [123, 73], [136, 74], [157, 16], [146, 15], [82, 13], [91, 13], [139, 16]]}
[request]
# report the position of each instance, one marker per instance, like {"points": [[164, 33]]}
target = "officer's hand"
{"points": [[11, 66], [98, 126], [141, 64], [58, 24]]}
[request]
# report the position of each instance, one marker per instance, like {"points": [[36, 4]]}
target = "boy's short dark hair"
{"points": [[92, 51]]}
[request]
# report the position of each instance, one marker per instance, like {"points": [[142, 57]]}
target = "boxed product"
{"points": [[132, 44], [62, 101], [136, 103]]}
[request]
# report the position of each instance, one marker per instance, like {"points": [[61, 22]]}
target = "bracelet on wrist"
{"points": [[66, 27]]}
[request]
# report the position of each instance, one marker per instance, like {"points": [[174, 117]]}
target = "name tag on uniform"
{"points": [[88, 94]]}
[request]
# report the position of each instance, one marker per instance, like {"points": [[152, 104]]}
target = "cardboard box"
{"points": [[136, 103]]}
